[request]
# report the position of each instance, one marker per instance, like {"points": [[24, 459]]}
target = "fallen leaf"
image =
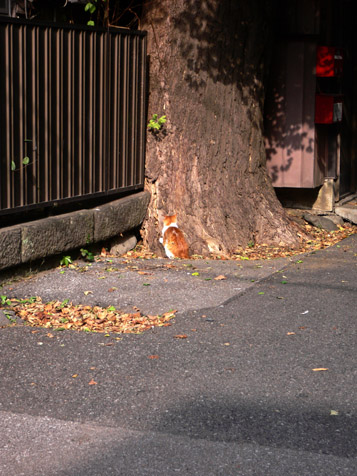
{"points": [[87, 292], [226, 343], [180, 336], [92, 382], [85, 318], [111, 290], [333, 413], [290, 333], [220, 277], [153, 357], [74, 375], [319, 369], [51, 336]]}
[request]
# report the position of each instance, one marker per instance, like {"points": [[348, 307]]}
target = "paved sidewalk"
{"points": [[154, 285], [240, 395]]}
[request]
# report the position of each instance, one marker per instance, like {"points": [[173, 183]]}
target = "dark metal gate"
{"points": [[72, 113]]}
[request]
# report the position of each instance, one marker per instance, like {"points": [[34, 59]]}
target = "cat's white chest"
{"points": [[169, 254]]}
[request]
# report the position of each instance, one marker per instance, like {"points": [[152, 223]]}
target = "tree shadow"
{"points": [[279, 426], [290, 133], [224, 42]]}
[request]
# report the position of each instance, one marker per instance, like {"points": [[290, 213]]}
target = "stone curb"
{"points": [[50, 236]]}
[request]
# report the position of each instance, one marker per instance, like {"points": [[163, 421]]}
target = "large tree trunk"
{"points": [[208, 164]]}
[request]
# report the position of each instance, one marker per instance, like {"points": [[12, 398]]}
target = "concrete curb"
{"points": [[43, 238]]}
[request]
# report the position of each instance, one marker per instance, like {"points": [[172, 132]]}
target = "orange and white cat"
{"points": [[173, 239]]}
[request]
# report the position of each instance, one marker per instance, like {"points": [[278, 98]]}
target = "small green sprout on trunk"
{"points": [[156, 123]]}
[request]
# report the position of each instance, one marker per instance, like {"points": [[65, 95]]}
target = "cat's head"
{"points": [[170, 219]]}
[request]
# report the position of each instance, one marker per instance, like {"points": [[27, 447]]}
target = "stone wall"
{"points": [[53, 235]]}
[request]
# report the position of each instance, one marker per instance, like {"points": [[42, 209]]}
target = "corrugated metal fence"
{"points": [[72, 113]]}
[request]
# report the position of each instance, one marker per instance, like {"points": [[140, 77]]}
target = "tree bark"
{"points": [[207, 66]]}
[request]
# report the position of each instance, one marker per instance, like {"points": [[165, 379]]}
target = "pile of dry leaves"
{"points": [[65, 315], [319, 239]]}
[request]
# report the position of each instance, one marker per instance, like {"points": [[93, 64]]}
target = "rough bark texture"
{"points": [[208, 164]]}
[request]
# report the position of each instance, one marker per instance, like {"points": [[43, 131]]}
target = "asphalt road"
{"points": [[238, 396]]}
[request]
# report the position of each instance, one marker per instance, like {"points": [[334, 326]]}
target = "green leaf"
{"points": [[111, 308], [13, 166], [4, 300], [261, 292], [66, 260], [195, 274], [90, 8], [90, 23], [146, 284], [26, 160]]}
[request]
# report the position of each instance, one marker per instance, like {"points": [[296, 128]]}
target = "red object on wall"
{"points": [[328, 109], [329, 61]]}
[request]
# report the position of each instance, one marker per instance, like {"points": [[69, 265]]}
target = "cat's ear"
{"points": [[161, 217], [174, 217]]}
